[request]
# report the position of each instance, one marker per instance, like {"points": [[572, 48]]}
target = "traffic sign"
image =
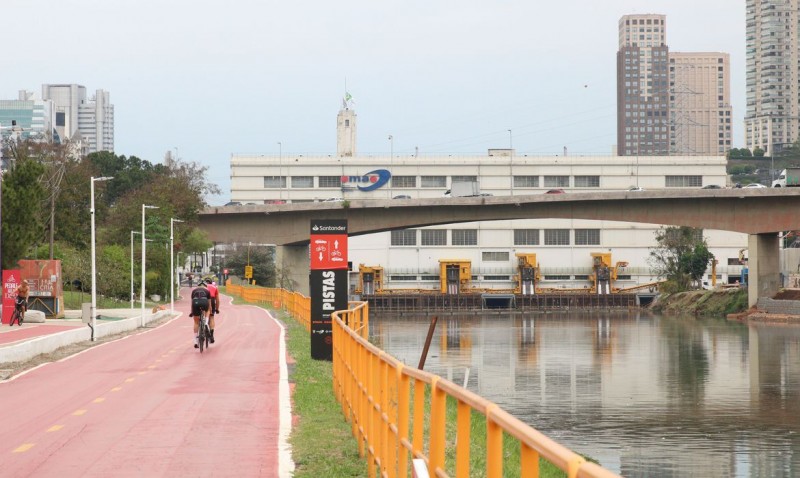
{"points": [[248, 272]]}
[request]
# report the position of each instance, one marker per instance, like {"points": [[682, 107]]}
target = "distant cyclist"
{"points": [[200, 301], [22, 293], [214, 293]]}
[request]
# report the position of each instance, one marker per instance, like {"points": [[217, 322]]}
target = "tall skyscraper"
{"points": [[771, 120], [669, 103], [642, 86], [699, 104], [90, 123]]}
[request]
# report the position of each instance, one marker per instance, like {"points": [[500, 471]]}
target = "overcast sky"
{"points": [[238, 76]]}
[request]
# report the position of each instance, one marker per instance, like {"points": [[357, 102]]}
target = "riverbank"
{"points": [[703, 303]]}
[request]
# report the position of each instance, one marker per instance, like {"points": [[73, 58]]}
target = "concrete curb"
{"points": [[41, 345]]}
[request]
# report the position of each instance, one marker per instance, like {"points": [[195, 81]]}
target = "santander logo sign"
{"points": [[369, 181]]}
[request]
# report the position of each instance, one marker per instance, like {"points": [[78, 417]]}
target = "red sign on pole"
{"points": [[11, 280]]}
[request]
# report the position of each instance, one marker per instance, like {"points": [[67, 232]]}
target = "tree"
{"points": [[681, 256], [23, 195], [262, 258], [758, 153]]}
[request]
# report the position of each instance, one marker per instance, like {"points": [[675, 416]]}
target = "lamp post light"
{"points": [[172, 272], [94, 261], [144, 266]]}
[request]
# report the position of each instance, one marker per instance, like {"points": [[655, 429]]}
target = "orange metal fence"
{"points": [[298, 305], [398, 413], [392, 407]]}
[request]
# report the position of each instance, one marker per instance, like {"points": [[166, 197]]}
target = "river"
{"points": [[647, 396]]}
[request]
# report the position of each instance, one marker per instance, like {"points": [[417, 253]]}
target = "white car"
{"points": [[333, 200], [635, 189], [754, 186]]}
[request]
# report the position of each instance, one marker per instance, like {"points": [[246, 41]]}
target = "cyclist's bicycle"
{"points": [[203, 333], [17, 315]]}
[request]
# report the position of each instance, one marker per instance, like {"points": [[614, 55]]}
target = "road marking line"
{"points": [[116, 389], [99, 400], [23, 448], [129, 380], [55, 428], [79, 412], [142, 372], [150, 366]]}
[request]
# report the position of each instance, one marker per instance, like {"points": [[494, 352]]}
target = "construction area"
{"points": [[455, 292]]}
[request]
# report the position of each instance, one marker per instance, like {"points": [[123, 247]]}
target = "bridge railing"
{"points": [[398, 413]]}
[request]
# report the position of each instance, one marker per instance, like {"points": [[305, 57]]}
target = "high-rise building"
{"points": [[699, 104], [96, 123], [771, 120], [642, 86], [29, 116], [90, 123]]}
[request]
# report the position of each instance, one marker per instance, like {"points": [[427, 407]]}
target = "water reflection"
{"points": [[647, 396]]}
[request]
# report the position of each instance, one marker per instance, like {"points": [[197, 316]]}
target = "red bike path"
{"points": [[151, 405]]}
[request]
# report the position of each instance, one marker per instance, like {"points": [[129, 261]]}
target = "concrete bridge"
{"points": [[761, 213]]}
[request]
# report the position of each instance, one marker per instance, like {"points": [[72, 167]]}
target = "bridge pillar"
{"points": [[764, 266], [293, 266]]}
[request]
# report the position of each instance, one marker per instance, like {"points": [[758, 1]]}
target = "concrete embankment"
{"points": [[702, 303], [124, 321]]}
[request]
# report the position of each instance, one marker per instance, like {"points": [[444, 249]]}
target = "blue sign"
{"points": [[373, 179]]}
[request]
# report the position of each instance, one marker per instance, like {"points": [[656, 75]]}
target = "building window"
{"points": [[465, 237], [556, 237], [433, 237], [587, 181], [587, 237], [404, 237], [346, 123], [402, 278], [526, 181], [302, 181], [494, 256], [429, 278], [404, 181], [433, 181], [330, 181], [683, 181], [496, 278], [556, 181], [526, 237], [274, 182], [464, 179]]}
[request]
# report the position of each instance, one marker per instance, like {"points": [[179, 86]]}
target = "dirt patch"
{"points": [[788, 294], [9, 369]]}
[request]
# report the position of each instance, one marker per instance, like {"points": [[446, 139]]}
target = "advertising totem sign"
{"points": [[11, 280], [327, 281]]}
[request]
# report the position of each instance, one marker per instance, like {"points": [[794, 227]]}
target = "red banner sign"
{"points": [[11, 280]]}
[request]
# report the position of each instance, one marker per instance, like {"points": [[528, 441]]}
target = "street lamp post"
{"points": [[132, 233], [172, 272], [144, 267], [94, 262]]}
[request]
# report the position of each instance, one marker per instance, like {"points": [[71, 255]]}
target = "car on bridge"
{"points": [[555, 191], [754, 186]]}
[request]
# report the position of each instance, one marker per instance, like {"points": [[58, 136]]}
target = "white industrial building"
{"points": [[411, 257]]}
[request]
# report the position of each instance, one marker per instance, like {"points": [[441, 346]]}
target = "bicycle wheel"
{"points": [[201, 333], [208, 334]]}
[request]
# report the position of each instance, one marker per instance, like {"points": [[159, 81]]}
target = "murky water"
{"points": [[644, 395]]}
